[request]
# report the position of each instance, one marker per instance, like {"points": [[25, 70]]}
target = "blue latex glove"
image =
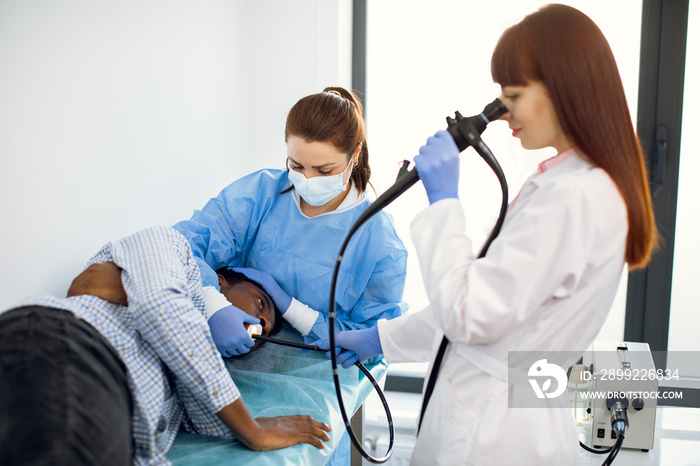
{"points": [[437, 163], [281, 299], [229, 332], [353, 345]]}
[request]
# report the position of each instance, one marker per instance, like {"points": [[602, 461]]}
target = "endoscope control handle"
{"points": [[465, 132], [406, 178], [403, 170]]}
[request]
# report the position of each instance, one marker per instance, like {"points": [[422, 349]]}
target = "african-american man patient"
{"points": [[108, 377]]}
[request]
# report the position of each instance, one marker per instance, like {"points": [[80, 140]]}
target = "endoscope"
{"points": [[465, 132]]}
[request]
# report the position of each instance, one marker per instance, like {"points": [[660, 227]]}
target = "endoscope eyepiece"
{"points": [[459, 127], [494, 110]]}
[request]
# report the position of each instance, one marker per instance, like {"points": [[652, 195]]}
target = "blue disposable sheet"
{"points": [[278, 380]]}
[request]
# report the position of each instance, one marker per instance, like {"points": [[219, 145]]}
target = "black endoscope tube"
{"points": [[465, 132], [487, 155], [359, 365], [334, 365]]}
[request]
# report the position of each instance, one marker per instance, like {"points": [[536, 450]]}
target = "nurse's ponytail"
{"points": [[333, 116]]}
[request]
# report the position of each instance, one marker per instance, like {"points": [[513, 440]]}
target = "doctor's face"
{"points": [[532, 117]]}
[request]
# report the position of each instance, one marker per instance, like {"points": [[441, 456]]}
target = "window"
{"points": [[425, 60]]}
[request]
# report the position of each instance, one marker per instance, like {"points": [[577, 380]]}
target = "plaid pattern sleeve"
{"points": [[175, 370], [165, 316]]}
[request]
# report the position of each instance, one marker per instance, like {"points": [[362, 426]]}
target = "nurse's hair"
{"points": [[564, 50], [333, 116]]}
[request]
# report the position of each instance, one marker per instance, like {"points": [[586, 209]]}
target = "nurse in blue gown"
{"points": [[284, 229]]}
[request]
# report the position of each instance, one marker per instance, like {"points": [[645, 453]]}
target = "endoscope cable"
{"points": [[465, 132], [360, 366], [613, 450]]}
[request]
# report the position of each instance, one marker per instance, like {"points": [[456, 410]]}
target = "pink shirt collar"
{"points": [[554, 161], [543, 167]]}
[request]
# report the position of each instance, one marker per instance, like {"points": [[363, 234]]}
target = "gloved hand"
{"points": [[281, 299], [229, 332], [437, 163], [353, 345]]}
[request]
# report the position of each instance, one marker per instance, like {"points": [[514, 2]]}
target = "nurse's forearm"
{"points": [[301, 316], [310, 322], [272, 433]]}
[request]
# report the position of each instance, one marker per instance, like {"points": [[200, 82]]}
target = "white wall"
{"points": [[115, 116]]}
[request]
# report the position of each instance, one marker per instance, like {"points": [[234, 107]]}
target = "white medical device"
{"points": [[623, 389]]}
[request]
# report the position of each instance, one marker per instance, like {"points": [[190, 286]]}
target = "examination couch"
{"points": [[278, 380]]}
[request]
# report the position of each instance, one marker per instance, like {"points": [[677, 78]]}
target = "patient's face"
{"points": [[253, 300]]}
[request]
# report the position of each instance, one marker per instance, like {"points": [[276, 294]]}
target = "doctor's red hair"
{"points": [[564, 49]]}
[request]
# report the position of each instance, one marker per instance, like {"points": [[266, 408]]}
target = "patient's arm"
{"points": [[103, 280], [272, 433]]}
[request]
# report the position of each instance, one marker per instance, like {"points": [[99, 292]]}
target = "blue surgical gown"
{"points": [[251, 224]]}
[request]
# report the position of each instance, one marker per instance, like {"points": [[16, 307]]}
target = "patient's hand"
{"points": [[103, 280], [272, 433]]}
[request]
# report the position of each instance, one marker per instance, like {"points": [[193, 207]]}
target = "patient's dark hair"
{"points": [[237, 277]]}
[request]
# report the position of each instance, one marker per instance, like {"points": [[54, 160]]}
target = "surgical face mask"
{"points": [[319, 190]]}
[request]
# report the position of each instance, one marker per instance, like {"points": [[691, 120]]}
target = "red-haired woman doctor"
{"points": [[550, 277]]}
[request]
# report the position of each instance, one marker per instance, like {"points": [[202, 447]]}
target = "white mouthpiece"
{"points": [[255, 329]]}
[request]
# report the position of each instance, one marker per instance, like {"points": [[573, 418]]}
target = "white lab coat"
{"points": [[547, 283]]}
